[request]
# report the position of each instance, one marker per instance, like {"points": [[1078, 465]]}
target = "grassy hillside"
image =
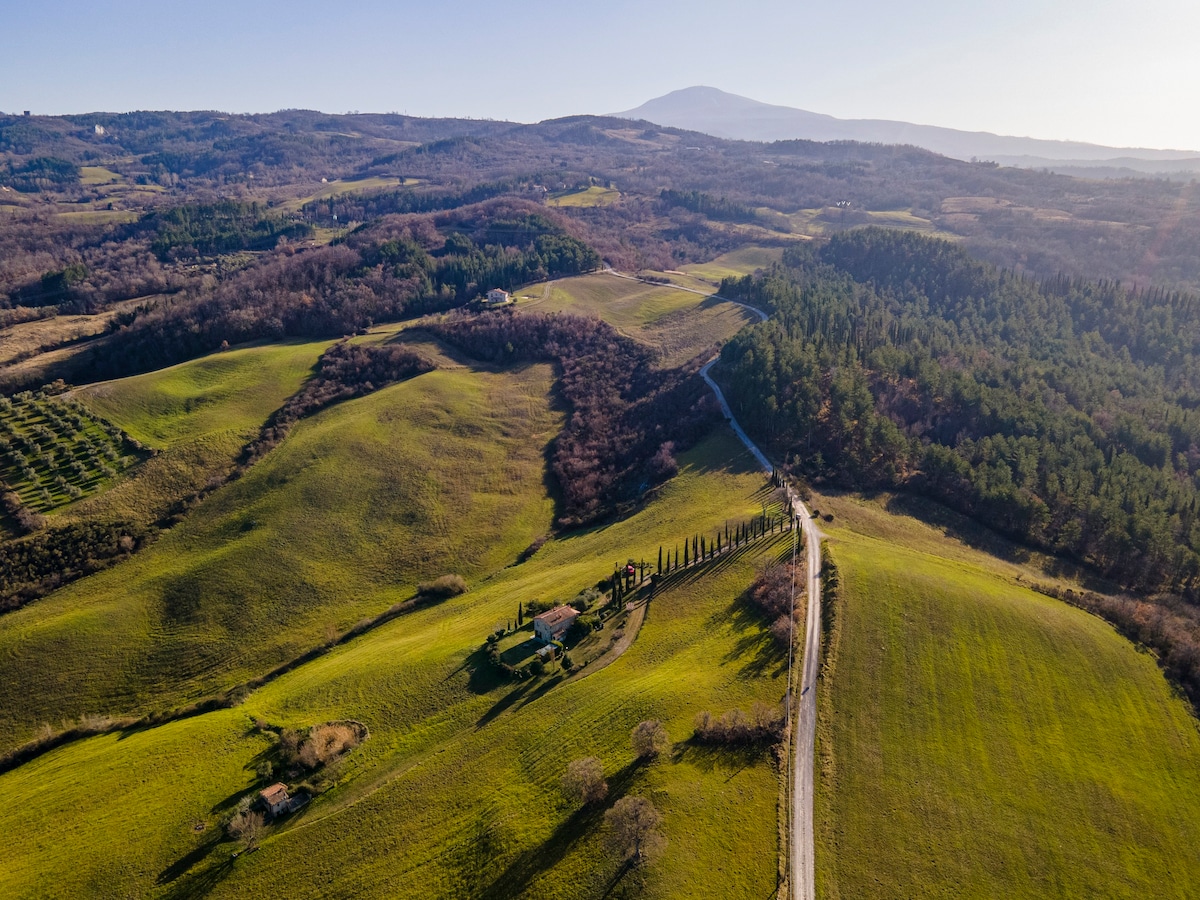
{"points": [[441, 473], [981, 740], [198, 414], [742, 261], [678, 324], [456, 793]]}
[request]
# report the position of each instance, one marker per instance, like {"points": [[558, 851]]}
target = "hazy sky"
{"points": [[1117, 72]]}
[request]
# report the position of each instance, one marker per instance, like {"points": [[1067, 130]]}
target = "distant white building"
{"points": [[497, 297], [99, 129]]}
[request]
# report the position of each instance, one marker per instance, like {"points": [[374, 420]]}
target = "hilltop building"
{"points": [[497, 297], [554, 623]]}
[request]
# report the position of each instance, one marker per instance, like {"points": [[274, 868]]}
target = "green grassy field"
{"points": [[440, 473], [742, 261], [981, 740], [584, 197], [94, 175], [456, 793], [198, 414], [677, 324]]}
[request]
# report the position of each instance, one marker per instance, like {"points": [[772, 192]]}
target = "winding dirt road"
{"points": [[802, 703]]}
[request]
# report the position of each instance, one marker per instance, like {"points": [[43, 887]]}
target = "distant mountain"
{"points": [[720, 114]]}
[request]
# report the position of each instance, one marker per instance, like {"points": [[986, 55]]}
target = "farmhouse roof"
{"points": [[557, 616], [276, 793]]}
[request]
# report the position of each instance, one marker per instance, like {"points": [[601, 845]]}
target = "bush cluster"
{"points": [[734, 727]]}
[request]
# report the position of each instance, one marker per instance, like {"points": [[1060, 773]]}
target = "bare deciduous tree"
{"points": [[650, 738], [584, 780], [634, 825]]}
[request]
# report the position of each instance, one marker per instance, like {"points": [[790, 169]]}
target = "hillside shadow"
{"points": [[516, 878], [484, 677], [542, 689], [957, 526], [201, 883], [979, 537], [708, 758]]}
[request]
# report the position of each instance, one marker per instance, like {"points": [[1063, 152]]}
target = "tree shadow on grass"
{"points": [[229, 802], [521, 872], [200, 883], [503, 703], [484, 677], [733, 759], [189, 860]]}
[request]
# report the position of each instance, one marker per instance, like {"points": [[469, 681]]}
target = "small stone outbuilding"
{"points": [[275, 799]]}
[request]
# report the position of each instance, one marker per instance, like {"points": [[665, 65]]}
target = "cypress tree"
{"points": [[660, 559], [685, 554], [520, 614]]}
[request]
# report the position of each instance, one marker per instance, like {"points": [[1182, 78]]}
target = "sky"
{"points": [[1112, 72]]}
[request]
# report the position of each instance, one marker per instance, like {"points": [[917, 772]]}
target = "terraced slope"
{"points": [[53, 452]]}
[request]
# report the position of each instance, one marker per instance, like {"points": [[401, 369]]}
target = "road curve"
{"points": [[802, 705]]}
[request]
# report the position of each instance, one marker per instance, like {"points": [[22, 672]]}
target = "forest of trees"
{"points": [[1061, 413], [210, 229], [395, 268]]}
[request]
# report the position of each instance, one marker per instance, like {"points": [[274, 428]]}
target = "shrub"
{"points": [[771, 593], [735, 727], [633, 824], [443, 587]]}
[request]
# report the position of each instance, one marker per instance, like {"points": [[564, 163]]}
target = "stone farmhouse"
{"points": [[554, 623]]}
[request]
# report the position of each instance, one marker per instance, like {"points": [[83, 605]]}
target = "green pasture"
{"points": [[456, 793], [584, 197], [743, 261], [677, 324], [442, 473], [198, 415], [978, 739], [94, 175]]}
